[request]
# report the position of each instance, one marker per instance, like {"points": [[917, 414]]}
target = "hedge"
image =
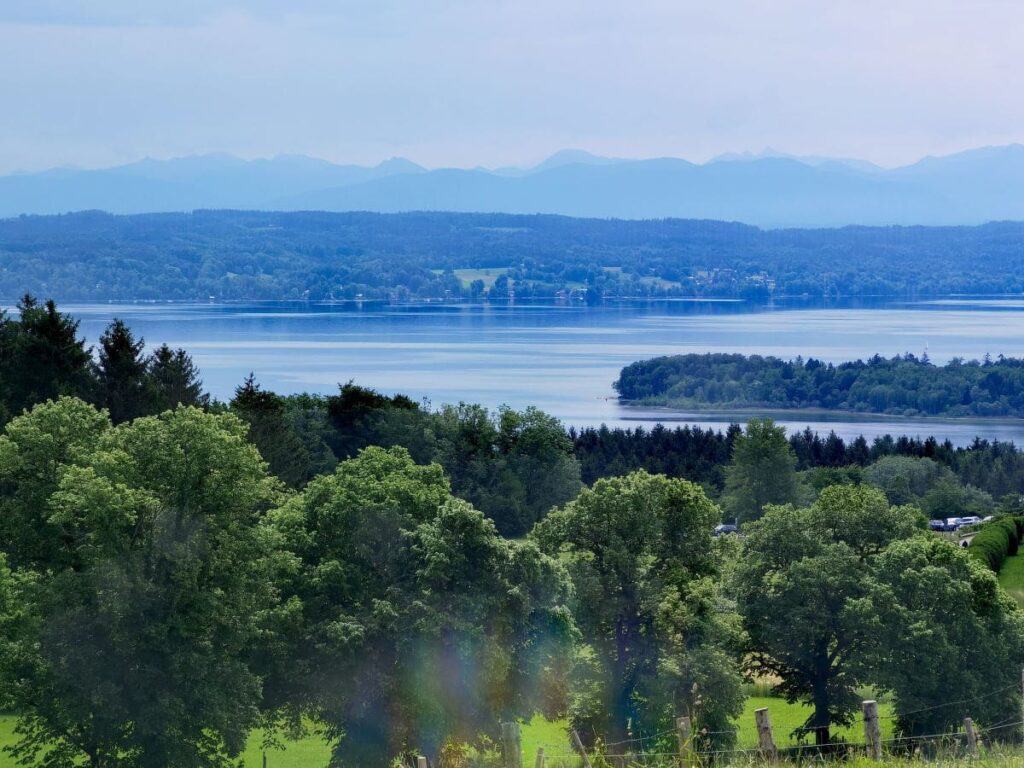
{"points": [[996, 541]]}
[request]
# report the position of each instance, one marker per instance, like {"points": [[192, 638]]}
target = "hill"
{"points": [[235, 255]]}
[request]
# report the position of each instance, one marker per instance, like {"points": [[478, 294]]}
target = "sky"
{"points": [[94, 83]]}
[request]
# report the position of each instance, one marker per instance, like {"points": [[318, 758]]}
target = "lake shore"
{"points": [[688, 413]]}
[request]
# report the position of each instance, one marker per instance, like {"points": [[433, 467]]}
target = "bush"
{"points": [[996, 541]]}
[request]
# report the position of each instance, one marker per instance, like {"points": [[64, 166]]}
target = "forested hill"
{"points": [[233, 255], [904, 385]]}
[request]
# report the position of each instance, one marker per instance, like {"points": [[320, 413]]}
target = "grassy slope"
{"points": [[1011, 577]]}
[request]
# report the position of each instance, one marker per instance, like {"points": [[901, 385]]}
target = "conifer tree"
{"points": [[122, 373]]}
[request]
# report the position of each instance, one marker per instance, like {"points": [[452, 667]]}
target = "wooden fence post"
{"points": [[765, 739], [972, 737], [683, 736], [539, 762], [511, 746], [578, 743], [872, 730]]}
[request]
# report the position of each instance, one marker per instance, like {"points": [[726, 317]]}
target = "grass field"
{"points": [[312, 752], [1011, 578], [467, 276]]}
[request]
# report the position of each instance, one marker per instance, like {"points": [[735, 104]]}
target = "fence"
{"points": [[648, 751]]}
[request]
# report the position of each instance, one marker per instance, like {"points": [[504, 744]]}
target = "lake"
{"points": [[563, 358]]}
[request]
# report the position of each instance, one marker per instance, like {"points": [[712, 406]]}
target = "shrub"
{"points": [[996, 541]]}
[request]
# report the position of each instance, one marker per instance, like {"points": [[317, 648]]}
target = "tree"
{"points": [[356, 414], [656, 642], [45, 358], [932, 602], [271, 433], [762, 471], [419, 626], [173, 379], [149, 612], [122, 373], [906, 478], [800, 574], [35, 449]]}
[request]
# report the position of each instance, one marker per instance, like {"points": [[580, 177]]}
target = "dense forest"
{"points": [[903, 385], [234, 255], [176, 571]]}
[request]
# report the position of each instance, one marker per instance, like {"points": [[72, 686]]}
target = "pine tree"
{"points": [[122, 373], [174, 380], [44, 357], [271, 433]]}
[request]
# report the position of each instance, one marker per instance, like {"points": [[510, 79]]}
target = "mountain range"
{"points": [[768, 189]]}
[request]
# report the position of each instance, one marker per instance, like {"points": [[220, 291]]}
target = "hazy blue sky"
{"points": [[467, 82]]}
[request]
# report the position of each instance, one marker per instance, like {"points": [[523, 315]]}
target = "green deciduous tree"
{"points": [[657, 639], [419, 625], [906, 478], [34, 451], [800, 573], [762, 471], [154, 599], [944, 626]]}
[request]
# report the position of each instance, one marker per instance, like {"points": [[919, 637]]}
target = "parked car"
{"points": [[936, 525], [726, 528], [953, 523], [970, 520]]}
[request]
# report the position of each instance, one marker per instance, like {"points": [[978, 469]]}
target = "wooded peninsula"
{"points": [[904, 385]]}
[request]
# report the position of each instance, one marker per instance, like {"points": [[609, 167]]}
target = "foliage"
{"points": [[944, 627], [416, 625], [995, 542], [34, 450], [762, 471], [271, 433], [174, 380], [235, 255], [42, 358], [122, 373], [150, 599], [800, 573], [903, 385], [905, 478], [513, 465], [655, 632]]}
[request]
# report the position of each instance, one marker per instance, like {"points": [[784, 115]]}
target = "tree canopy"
{"points": [[656, 644], [149, 597], [762, 471], [904, 385], [800, 573], [416, 625]]}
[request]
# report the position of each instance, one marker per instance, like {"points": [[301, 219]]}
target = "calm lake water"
{"points": [[562, 359]]}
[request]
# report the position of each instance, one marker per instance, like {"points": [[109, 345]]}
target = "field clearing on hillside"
{"points": [[467, 276]]}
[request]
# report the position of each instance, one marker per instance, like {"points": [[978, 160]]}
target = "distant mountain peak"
{"points": [[573, 157], [400, 165], [815, 161]]}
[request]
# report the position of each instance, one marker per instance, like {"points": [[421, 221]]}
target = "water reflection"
{"points": [[562, 358]]}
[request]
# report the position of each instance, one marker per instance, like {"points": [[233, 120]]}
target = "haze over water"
{"points": [[561, 358]]}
